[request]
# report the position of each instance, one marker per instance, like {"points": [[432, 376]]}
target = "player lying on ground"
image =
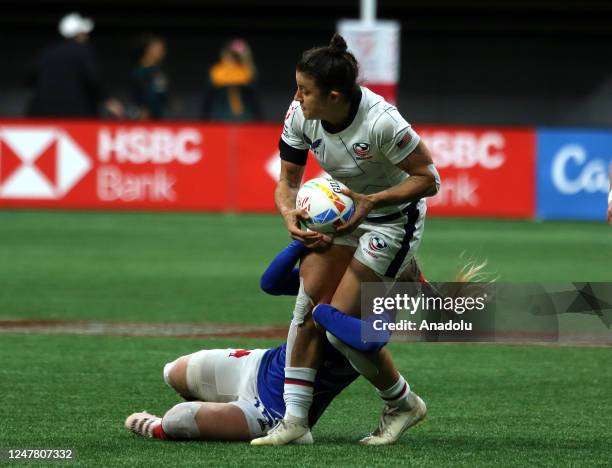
{"points": [[237, 394]]}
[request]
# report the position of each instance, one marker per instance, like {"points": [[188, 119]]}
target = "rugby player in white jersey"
{"points": [[364, 142]]}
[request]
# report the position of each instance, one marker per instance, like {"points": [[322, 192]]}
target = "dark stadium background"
{"points": [[467, 62], [94, 302]]}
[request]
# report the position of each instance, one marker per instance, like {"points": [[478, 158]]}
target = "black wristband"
{"points": [[291, 154]]}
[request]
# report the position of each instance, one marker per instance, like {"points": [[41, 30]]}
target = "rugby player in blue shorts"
{"points": [[237, 394]]}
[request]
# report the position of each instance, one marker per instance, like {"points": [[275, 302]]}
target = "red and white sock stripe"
{"points": [[397, 394], [298, 389]]}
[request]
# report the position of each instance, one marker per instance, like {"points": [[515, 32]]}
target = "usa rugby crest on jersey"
{"points": [[375, 245], [362, 150], [327, 206]]}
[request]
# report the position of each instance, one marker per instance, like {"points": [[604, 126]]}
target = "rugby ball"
{"points": [[326, 205]]}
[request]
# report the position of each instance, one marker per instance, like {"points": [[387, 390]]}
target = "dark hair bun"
{"points": [[333, 67], [337, 45]]}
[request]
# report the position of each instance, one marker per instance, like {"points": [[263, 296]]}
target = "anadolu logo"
{"points": [[40, 163], [376, 244], [362, 150]]}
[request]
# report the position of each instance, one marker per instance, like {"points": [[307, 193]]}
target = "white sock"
{"points": [[397, 395], [299, 385]]}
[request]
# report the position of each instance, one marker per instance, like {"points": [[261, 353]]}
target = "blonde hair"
{"points": [[473, 271]]}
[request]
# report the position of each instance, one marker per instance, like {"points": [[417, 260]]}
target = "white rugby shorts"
{"points": [[386, 244], [230, 376]]}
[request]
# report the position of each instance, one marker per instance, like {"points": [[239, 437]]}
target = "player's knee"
{"points": [[335, 342], [310, 327], [180, 421], [411, 273], [175, 375], [360, 362], [303, 304]]}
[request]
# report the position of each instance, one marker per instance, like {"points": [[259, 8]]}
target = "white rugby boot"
{"points": [[306, 439], [142, 423], [286, 432], [394, 421]]}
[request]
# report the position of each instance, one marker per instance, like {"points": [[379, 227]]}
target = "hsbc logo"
{"points": [[39, 163], [464, 150]]}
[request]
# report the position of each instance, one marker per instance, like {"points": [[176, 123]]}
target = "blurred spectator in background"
{"points": [[231, 95], [65, 79], [149, 82]]}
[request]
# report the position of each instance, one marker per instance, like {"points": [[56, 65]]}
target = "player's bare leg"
{"points": [[320, 273], [412, 273], [193, 421], [403, 408], [175, 375]]}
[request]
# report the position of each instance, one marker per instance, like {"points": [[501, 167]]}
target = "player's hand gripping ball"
{"points": [[326, 205]]}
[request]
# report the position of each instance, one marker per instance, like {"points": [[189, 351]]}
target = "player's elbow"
{"points": [[433, 181], [434, 187], [268, 285], [431, 186]]}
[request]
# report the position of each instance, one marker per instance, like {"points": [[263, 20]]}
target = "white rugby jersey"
{"points": [[363, 155]]}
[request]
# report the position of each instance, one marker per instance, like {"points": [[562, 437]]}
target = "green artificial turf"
{"points": [[197, 267], [488, 404]]}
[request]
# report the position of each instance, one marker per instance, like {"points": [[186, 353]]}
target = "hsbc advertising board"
{"points": [[93, 165], [205, 167], [484, 171], [573, 173], [143, 167]]}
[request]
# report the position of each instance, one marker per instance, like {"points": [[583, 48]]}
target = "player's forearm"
{"points": [[413, 188], [285, 195]]}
